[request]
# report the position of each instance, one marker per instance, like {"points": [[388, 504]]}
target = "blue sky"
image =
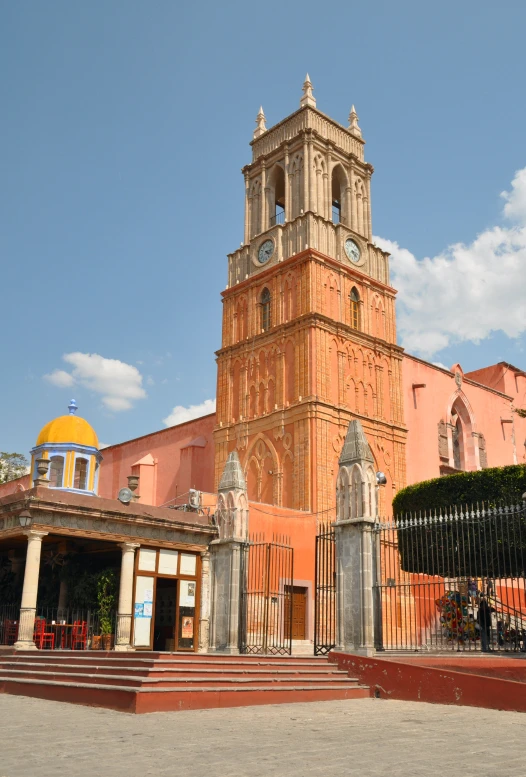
{"points": [[123, 129]]}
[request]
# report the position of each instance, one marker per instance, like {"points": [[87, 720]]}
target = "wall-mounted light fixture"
{"points": [[25, 519]]}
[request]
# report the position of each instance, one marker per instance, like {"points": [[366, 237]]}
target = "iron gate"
{"points": [[325, 598], [267, 576], [452, 580]]}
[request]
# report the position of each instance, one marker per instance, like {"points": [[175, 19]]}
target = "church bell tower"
{"points": [[309, 337]]}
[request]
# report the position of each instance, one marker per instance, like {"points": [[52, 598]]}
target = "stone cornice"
{"points": [[308, 321], [77, 518], [315, 256]]}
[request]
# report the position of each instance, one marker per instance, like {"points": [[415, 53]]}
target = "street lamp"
{"points": [[25, 519]]}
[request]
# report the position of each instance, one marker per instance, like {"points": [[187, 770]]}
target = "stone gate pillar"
{"points": [[226, 556], [354, 539]]}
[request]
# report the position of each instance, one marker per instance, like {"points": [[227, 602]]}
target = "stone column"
{"points": [[124, 615], [354, 544], [225, 557], [247, 210], [287, 209], [30, 591], [204, 616], [354, 585], [305, 203]]}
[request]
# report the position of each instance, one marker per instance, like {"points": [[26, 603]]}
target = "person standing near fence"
{"points": [[484, 619]]}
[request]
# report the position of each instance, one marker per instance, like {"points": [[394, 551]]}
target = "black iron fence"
{"points": [[63, 629], [452, 580], [267, 574], [325, 593], [9, 617]]}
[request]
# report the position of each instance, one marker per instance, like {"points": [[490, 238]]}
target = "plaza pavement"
{"points": [[370, 738]]}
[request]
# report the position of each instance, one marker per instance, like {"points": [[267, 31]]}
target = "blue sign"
{"points": [[139, 610]]}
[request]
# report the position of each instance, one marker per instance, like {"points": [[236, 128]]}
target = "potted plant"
{"points": [[107, 598]]}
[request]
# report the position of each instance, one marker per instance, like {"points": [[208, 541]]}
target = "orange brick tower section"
{"points": [[309, 330]]}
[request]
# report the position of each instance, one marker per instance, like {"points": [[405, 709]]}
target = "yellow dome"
{"points": [[68, 428]]}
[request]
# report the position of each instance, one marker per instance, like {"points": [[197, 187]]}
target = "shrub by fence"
{"points": [[491, 486]]}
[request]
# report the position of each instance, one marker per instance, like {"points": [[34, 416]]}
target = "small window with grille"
{"points": [[265, 310], [355, 309]]}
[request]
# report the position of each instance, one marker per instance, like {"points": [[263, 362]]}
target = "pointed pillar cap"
{"points": [[355, 448], [354, 129], [308, 97], [260, 122], [232, 476]]}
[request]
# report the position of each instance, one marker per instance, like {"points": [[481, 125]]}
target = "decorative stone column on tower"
{"points": [[29, 591], [204, 616], [355, 517], [124, 615], [226, 558]]}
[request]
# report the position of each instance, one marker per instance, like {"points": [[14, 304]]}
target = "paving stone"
{"points": [[369, 738]]}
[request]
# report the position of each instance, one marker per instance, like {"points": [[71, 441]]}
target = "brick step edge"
{"points": [[342, 677], [230, 689], [37, 666]]}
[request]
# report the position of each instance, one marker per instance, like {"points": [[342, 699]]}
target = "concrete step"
{"points": [[219, 681], [145, 700], [137, 684], [170, 671]]}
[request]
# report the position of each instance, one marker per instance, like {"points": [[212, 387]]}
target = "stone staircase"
{"points": [[155, 682]]}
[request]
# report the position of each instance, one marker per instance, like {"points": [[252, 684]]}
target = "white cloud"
{"points": [[181, 414], [439, 364], [468, 291], [60, 378], [120, 384]]}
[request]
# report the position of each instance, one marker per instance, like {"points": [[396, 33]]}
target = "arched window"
{"points": [[81, 474], [277, 196], [355, 308], [265, 310], [338, 186], [458, 444], [56, 471]]}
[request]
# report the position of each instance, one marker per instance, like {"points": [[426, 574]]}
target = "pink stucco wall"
{"points": [[429, 393], [12, 486], [178, 465]]}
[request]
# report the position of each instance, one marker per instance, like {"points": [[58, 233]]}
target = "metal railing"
{"points": [[266, 598], [452, 580], [9, 623], [278, 218], [60, 623], [325, 596]]}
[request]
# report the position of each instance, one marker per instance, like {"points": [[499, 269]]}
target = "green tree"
{"points": [[12, 466]]}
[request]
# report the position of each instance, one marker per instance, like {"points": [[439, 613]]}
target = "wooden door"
{"points": [[299, 612]]}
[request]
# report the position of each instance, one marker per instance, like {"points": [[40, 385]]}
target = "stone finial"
{"points": [[42, 470], [261, 126], [232, 476], [308, 98], [73, 407], [354, 129], [355, 448]]}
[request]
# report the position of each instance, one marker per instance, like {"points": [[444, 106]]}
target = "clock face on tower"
{"points": [[352, 250], [266, 250]]}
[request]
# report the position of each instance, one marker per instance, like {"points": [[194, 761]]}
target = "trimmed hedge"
{"points": [[499, 484]]}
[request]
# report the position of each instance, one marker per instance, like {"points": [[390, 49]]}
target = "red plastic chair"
{"points": [[79, 635], [41, 637], [11, 632]]}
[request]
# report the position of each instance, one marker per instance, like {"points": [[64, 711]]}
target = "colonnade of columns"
{"points": [[30, 592]]}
